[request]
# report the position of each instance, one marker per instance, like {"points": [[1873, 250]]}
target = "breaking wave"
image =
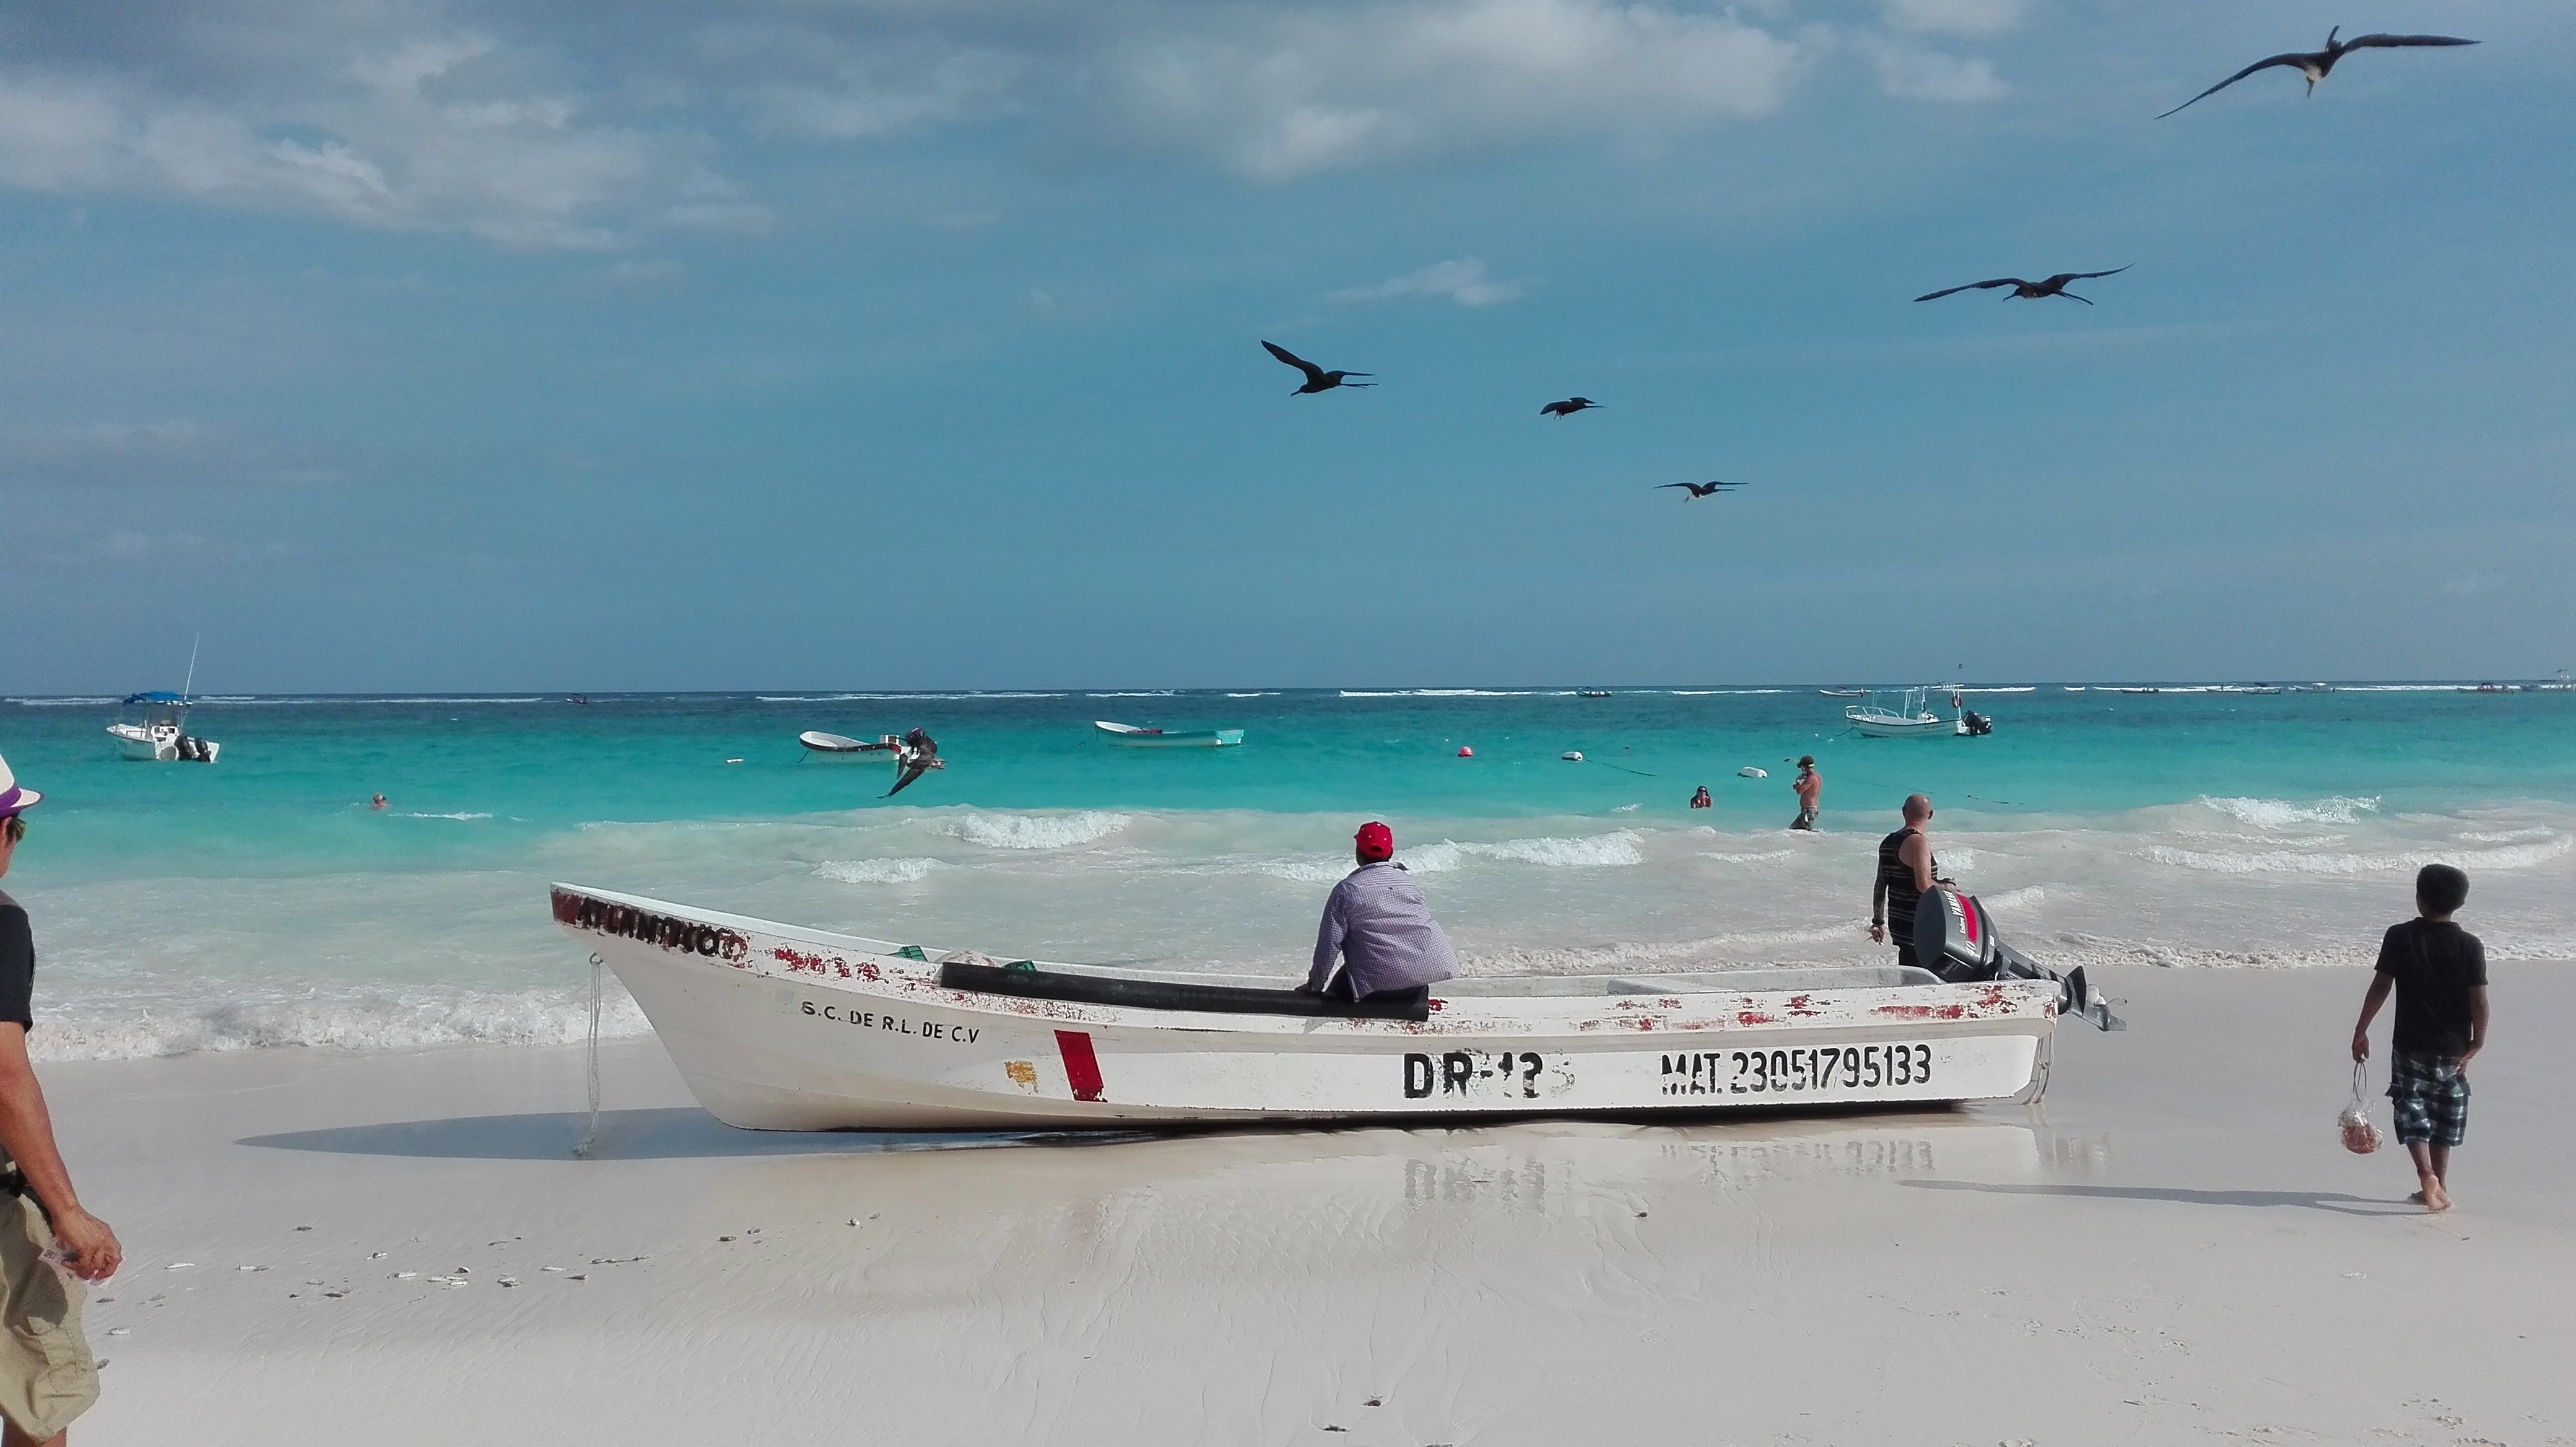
{"points": [[1599, 851], [877, 871], [373, 1020], [1033, 831], [2280, 813], [2292, 861]]}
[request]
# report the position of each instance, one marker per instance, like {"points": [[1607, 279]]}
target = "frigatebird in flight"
{"points": [[915, 755], [2317, 64], [2053, 286], [1701, 489], [1568, 407], [1317, 379]]}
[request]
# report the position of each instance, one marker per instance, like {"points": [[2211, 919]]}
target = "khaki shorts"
{"points": [[47, 1376]]}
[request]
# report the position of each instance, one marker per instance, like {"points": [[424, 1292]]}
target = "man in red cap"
{"points": [[1379, 930]]}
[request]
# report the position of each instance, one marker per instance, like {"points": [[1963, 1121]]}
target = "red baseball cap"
{"points": [[1376, 841]]}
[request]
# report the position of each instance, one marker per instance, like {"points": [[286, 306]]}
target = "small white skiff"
{"points": [[1137, 737], [779, 1028]]}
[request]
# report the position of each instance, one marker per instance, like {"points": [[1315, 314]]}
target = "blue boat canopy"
{"points": [[156, 696]]}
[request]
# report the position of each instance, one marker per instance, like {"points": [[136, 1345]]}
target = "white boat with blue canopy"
{"points": [[154, 729], [1907, 714], [776, 1027], [1136, 736]]}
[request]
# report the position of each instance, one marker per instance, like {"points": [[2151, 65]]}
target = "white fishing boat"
{"points": [[1134, 736], [1908, 715], [154, 729], [780, 1028], [842, 746]]}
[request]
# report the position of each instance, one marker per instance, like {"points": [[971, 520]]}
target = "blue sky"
{"points": [[422, 344]]}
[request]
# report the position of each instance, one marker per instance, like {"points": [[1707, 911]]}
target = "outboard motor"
{"points": [[1956, 939], [1975, 724]]}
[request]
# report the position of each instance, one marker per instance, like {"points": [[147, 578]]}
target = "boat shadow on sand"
{"points": [[2335, 1201], [667, 1133], [657, 1134]]}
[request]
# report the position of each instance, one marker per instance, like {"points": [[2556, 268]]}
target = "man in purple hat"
{"points": [[1378, 928], [47, 1376]]}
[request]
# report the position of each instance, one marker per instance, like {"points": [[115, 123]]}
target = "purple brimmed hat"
{"points": [[14, 800]]}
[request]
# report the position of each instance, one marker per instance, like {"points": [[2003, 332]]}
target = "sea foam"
{"points": [[343, 1018], [877, 871], [1615, 849], [1032, 831], [2295, 861], [2280, 813]]}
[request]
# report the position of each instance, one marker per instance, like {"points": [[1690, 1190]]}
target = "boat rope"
{"points": [[1875, 784], [590, 1137], [2047, 1067]]}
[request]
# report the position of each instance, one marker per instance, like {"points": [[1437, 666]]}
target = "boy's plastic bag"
{"points": [[2360, 1134]]}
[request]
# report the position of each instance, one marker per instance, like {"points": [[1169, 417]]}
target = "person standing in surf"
{"points": [[1810, 787], [1906, 872], [49, 1244], [2439, 974]]}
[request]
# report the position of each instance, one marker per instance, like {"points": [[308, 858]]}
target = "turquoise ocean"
{"points": [[260, 902]]}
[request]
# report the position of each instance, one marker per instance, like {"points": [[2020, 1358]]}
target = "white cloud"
{"points": [[1281, 93], [176, 452], [563, 126], [412, 134], [638, 273], [1911, 73], [1956, 17], [1463, 281]]}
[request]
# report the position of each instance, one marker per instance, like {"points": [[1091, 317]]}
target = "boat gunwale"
{"points": [[2010, 1004]]}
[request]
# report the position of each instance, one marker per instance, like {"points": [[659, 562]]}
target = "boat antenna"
{"points": [[190, 686]]}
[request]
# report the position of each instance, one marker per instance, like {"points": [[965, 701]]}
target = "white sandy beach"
{"points": [[2176, 1249]]}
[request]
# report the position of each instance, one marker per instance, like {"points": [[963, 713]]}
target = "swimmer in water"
{"points": [[1701, 800], [377, 802]]}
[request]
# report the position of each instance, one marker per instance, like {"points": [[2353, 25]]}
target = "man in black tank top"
{"points": [[1906, 870]]}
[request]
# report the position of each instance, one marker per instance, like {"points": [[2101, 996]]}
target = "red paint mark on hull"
{"points": [[1081, 1067]]}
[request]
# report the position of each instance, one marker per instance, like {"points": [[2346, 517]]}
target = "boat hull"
{"points": [[137, 744], [841, 748], [1903, 728], [1129, 737], [781, 1029]]}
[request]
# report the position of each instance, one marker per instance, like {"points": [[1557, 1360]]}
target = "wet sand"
{"points": [[2174, 1249]]}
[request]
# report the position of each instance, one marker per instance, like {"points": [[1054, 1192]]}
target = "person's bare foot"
{"points": [[2434, 1197]]}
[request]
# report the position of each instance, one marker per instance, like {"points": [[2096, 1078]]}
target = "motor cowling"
{"points": [[1956, 939]]}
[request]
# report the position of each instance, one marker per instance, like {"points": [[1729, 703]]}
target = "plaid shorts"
{"points": [[2430, 1097]]}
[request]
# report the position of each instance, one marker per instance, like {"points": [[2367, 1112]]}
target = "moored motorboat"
{"points": [[840, 746], [1134, 736], [780, 1028], [155, 730], [1909, 717]]}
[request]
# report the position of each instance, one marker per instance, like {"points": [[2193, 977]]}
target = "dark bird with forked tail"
{"points": [[2053, 286], [1317, 379], [2316, 65], [1568, 407], [1702, 489]]}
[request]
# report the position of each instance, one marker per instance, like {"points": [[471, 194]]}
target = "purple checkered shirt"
{"points": [[1379, 926]]}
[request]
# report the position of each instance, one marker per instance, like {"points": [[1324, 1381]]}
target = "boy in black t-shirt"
{"points": [[2439, 972]]}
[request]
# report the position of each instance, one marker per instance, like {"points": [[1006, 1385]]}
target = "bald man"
{"points": [[1906, 872]]}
